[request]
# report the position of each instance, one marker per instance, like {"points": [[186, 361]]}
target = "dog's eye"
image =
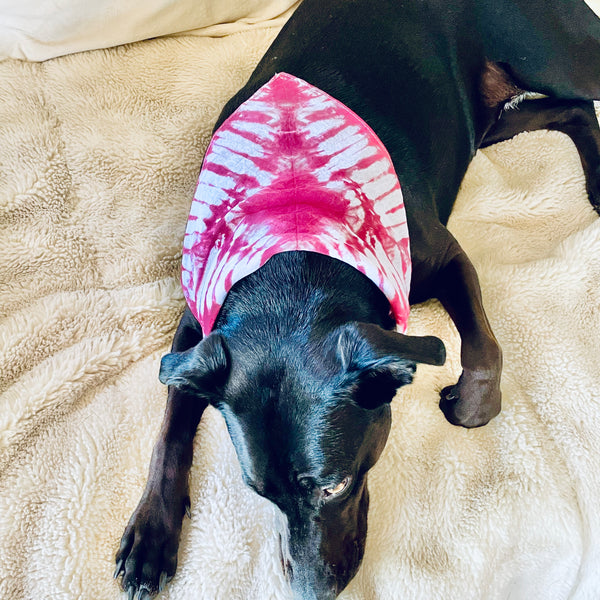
{"points": [[336, 490]]}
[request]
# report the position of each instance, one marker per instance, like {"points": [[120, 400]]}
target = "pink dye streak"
{"points": [[294, 169]]}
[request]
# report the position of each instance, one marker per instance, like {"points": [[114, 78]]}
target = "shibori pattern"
{"points": [[294, 169]]}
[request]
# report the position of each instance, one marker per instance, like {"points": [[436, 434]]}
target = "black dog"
{"points": [[304, 383]]}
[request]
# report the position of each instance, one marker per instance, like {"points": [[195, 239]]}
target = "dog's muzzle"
{"points": [[320, 555]]}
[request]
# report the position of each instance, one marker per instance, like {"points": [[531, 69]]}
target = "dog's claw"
{"points": [[119, 569], [146, 558], [449, 396], [143, 594], [164, 579]]}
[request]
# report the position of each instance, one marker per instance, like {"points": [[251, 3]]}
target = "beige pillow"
{"points": [[37, 30]]}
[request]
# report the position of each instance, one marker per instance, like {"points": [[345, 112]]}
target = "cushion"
{"points": [[37, 30]]}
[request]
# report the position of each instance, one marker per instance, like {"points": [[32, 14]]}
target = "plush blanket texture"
{"points": [[99, 155]]}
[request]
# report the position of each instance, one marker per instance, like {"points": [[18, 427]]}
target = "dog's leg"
{"points": [[147, 557], [576, 118], [476, 398]]}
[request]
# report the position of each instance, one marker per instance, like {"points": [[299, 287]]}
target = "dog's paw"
{"points": [[147, 557], [474, 400]]}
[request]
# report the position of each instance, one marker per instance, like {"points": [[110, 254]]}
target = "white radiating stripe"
{"points": [[314, 104], [345, 159], [373, 171], [317, 128], [344, 138], [200, 210], [212, 179], [211, 285], [245, 264], [336, 185], [392, 203], [193, 231], [186, 279], [209, 194], [391, 219], [240, 165], [262, 130], [378, 187], [353, 199], [254, 105], [187, 262], [241, 145], [400, 230]]}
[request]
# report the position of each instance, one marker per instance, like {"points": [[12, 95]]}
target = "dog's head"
{"points": [[308, 415]]}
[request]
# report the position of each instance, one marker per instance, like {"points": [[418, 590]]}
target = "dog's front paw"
{"points": [[474, 400], [147, 557]]}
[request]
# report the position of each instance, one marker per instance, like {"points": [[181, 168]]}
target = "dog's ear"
{"points": [[376, 362], [203, 368]]}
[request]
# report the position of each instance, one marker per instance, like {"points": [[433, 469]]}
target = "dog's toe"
{"points": [[147, 557], [143, 594], [163, 580], [148, 569], [119, 569]]}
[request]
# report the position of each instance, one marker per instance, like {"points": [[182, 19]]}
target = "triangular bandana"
{"points": [[294, 169]]}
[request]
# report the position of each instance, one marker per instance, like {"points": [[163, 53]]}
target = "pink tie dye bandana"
{"points": [[294, 169]]}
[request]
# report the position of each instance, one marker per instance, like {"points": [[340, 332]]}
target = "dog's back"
{"points": [[413, 71]]}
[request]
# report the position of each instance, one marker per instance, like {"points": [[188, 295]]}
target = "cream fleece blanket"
{"points": [[99, 155]]}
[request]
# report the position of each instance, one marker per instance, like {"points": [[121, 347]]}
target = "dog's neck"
{"points": [[302, 291]]}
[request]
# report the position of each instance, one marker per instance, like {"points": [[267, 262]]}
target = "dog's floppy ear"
{"points": [[376, 362], [203, 368]]}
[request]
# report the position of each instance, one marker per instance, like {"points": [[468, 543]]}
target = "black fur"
{"points": [[304, 362]]}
